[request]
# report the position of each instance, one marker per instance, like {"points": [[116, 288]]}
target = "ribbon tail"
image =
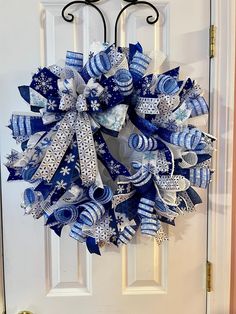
{"points": [[86, 149], [114, 167], [57, 150]]}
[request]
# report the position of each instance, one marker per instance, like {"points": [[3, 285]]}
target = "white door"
{"points": [[48, 275]]}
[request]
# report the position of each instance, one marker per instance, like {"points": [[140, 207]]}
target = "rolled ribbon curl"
{"points": [[98, 65], [199, 177], [126, 235], [189, 138], [150, 226], [91, 213], [139, 65], [166, 84], [197, 105], [75, 60], [77, 232], [66, 214], [124, 81], [141, 177], [142, 143], [100, 195], [145, 207]]}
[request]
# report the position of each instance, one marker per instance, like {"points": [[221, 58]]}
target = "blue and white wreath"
{"points": [[80, 113]]}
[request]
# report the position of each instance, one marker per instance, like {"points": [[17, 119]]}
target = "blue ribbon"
{"points": [[141, 143], [124, 81], [75, 60], [114, 167], [166, 84]]}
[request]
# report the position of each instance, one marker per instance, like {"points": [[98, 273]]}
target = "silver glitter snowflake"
{"points": [[161, 236], [106, 96], [43, 83], [100, 148], [114, 168]]}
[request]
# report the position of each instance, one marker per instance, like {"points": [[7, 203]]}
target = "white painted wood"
{"points": [[49, 276], [222, 125]]}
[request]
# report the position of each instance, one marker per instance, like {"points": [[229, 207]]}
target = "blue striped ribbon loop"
{"points": [[142, 143], [75, 60], [92, 213], [124, 81], [166, 84], [77, 232], [141, 177], [145, 207], [126, 235], [139, 65], [197, 105], [98, 65], [200, 177], [188, 138], [100, 195], [31, 197], [150, 226], [66, 214]]}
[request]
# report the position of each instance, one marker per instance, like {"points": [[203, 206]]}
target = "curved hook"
{"points": [[70, 17], [135, 2]]}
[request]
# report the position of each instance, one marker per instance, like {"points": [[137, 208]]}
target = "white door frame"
{"points": [[221, 125]]}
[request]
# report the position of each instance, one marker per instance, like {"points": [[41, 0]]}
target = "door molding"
{"points": [[221, 125]]}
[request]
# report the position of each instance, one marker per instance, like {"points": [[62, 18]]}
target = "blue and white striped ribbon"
{"points": [[142, 143], [145, 207], [150, 226], [66, 214], [126, 235], [124, 81], [188, 138], [141, 177], [149, 223], [139, 65], [75, 60], [92, 213], [200, 177], [197, 105], [100, 195], [166, 84], [98, 65], [77, 232], [21, 125]]}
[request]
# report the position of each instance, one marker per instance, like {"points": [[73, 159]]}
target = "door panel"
{"points": [[49, 275]]}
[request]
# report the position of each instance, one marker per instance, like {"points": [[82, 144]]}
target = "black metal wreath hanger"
{"points": [[150, 19], [69, 17]]}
